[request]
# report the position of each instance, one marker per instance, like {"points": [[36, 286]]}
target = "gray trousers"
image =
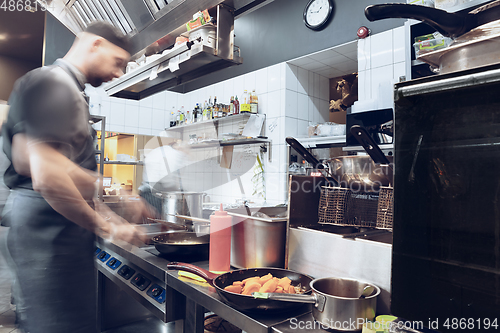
{"points": [[54, 268]]}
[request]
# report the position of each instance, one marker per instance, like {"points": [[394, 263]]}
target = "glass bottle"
{"points": [[172, 117], [182, 116], [236, 105], [231, 105], [254, 102]]}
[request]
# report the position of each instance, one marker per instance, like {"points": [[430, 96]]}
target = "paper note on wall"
{"points": [[254, 125]]}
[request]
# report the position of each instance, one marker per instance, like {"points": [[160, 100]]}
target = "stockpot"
{"points": [[181, 203], [337, 302]]}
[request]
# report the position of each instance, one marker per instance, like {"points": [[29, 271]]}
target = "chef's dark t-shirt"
{"points": [[48, 105]]}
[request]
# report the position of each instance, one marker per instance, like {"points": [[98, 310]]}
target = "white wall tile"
{"points": [[316, 85], [274, 77], [115, 128], [381, 75], [131, 115], [291, 127], [324, 88], [310, 90], [381, 49], [303, 81], [399, 44], [312, 110], [146, 102], [274, 129], [228, 90], [302, 128], [317, 110], [263, 103], [145, 117], [364, 85], [291, 73], [117, 114], [399, 70], [170, 100], [261, 81], [364, 51], [239, 84], [250, 81], [134, 130], [159, 101], [219, 92], [291, 101], [274, 104], [303, 107], [324, 110]]}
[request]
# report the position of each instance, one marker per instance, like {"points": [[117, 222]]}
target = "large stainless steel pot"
{"points": [[337, 302], [259, 241], [476, 48], [181, 203]]}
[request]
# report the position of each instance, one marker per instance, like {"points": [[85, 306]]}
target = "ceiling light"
{"points": [[3, 37]]}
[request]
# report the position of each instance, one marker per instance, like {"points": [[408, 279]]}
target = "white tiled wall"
{"points": [[381, 62], [289, 96]]}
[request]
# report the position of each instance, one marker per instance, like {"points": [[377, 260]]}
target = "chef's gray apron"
{"points": [[53, 257]]}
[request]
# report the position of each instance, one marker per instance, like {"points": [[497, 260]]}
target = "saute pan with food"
{"points": [[248, 302]]}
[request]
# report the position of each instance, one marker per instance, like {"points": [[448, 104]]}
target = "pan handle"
{"points": [[298, 298], [369, 145], [181, 266], [449, 24]]}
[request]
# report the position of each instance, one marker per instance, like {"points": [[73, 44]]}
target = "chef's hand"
{"points": [[116, 227], [137, 210]]}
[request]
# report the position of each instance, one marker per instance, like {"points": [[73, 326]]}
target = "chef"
{"points": [[51, 211]]}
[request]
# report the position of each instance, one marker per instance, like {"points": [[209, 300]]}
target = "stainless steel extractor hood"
{"points": [[149, 21]]}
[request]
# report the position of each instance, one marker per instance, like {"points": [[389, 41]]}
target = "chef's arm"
{"points": [[63, 185]]}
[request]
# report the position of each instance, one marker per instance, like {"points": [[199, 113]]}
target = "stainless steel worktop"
{"points": [[200, 297]]}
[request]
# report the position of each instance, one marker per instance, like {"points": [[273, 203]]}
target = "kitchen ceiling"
{"points": [[331, 63], [21, 35]]}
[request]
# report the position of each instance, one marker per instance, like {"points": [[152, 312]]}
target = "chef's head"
{"points": [[101, 52]]}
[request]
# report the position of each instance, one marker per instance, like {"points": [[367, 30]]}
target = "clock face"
{"points": [[317, 13]]}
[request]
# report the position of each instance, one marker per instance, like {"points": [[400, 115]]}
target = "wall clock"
{"points": [[318, 13]]}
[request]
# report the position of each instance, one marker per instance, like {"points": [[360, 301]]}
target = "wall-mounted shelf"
{"points": [[124, 163], [322, 141], [223, 143], [217, 121]]}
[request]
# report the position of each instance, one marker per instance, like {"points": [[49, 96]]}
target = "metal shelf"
{"points": [[220, 121], [322, 141], [124, 163], [222, 143]]}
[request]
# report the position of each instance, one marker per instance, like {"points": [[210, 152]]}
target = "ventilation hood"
{"points": [[149, 21]]}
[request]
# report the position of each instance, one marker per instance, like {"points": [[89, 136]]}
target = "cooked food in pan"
{"points": [[264, 284]]}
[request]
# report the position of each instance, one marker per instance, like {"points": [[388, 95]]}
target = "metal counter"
{"points": [[197, 298]]}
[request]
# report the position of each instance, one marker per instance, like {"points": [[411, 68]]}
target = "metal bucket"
{"points": [[181, 203], [259, 241]]}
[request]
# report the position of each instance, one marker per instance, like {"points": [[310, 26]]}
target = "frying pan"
{"points": [[448, 24], [247, 302], [181, 243]]}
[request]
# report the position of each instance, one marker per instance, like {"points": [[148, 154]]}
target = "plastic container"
{"points": [[220, 242], [427, 3], [429, 43]]}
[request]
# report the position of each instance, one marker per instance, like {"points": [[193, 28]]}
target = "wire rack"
{"points": [[333, 205], [385, 208], [342, 206]]}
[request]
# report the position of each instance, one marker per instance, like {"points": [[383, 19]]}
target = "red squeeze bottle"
{"points": [[220, 242]]}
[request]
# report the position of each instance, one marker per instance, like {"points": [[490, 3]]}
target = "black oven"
{"points": [[446, 245]]}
